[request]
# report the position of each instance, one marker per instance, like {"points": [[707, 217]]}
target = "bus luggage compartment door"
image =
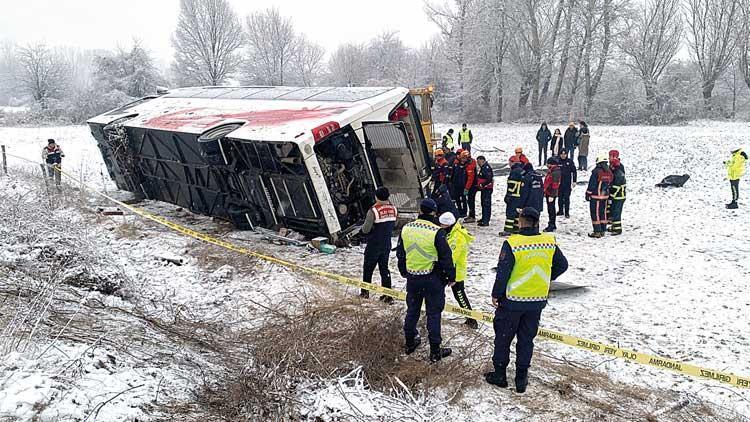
{"points": [[393, 163]]}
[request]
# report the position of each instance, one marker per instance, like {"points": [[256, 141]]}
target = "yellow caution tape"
{"points": [[487, 317]]}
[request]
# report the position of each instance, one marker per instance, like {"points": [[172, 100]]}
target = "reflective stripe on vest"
{"points": [[514, 188], [530, 279], [384, 213], [459, 240], [418, 238], [448, 141], [618, 192], [463, 135]]}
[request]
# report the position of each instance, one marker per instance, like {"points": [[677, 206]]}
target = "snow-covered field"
{"points": [[674, 284]]}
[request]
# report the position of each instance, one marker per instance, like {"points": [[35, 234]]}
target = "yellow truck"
{"points": [[423, 100]]}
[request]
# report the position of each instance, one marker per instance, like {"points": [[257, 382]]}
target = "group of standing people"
{"points": [[457, 177], [574, 138], [432, 254]]}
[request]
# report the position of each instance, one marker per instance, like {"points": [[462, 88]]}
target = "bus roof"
{"points": [[267, 113]]}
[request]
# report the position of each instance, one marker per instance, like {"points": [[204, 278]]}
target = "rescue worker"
{"points": [[425, 260], [465, 137], [513, 199], [551, 190], [519, 157], [485, 185], [735, 170], [52, 155], [459, 239], [378, 226], [462, 179], [440, 172], [444, 202], [528, 263], [543, 136], [470, 188], [568, 179], [570, 139], [448, 143], [597, 195], [532, 193], [616, 193]]}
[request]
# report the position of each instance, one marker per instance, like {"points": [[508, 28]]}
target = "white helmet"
{"points": [[602, 159]]}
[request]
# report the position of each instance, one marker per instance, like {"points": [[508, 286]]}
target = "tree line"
{"points": [[617, 61]]}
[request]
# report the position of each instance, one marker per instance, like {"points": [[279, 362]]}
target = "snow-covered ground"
{"points": [[674, 284]]}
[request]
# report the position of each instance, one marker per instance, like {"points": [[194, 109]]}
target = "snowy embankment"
{"points": [[673, 284]]}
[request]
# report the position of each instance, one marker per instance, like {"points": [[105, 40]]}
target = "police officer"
{"points": [[528, 263], [485, 185], [52, 155], [616, 192], [532, 193], [513, 199], [448, 143], [378, 227], [425, 260], [465, 137]]}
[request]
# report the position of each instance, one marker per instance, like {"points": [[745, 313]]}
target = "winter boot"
{"points": [[560, 213], [504, 234], [412, 346], [364, 294], [472, 323], [522, 380], [596, 235], [616, 232], [469, 220], [482, 224], [497, 378], [386, 299], [732, 205], [549, 229], [437, 352]]}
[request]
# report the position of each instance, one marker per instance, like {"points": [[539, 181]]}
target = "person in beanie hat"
{"points": [[528, 262], [568, 179], [735, 170], [597, 195], [459, 239], [486, 185], [52, 155], [551, 189], [617, 192], [426, 261], [378, 227]]}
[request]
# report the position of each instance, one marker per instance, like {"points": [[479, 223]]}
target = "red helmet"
{"points": [[614, 154]]}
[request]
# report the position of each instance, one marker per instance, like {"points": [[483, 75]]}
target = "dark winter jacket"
{"points": [[617, 190], [444, 201], [599, 183], [570, 138], [515, 185], [543, 135], [568, 174], [532, 193], [379, 224], [52, 154], [485, 177], [557, 144], [458, 178]]}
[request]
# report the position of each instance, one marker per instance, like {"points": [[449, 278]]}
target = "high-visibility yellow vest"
{"points": [[736, 165], [448, 141], [418, 238], [463, 135], [532, 273], [459, 240]]}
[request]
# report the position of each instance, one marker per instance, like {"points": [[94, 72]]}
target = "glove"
{"points": [[466, 192], [588, 198]]}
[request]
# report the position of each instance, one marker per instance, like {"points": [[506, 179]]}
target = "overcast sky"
{"points": [[104, 24]]}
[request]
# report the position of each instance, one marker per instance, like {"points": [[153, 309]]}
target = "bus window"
{"points": [[404, 114]]}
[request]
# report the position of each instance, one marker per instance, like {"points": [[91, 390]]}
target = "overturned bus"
{"points": [[308, 159]]}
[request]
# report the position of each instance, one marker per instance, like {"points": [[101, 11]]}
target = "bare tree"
{"points": [[8, 70], [713, 25], [652, 40], [206, 41], [272, 45], [348, 65], [565, 52], [307, 61], [42, 73], [387, 57], [744, 44], [455, 25], [496, 33]]}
